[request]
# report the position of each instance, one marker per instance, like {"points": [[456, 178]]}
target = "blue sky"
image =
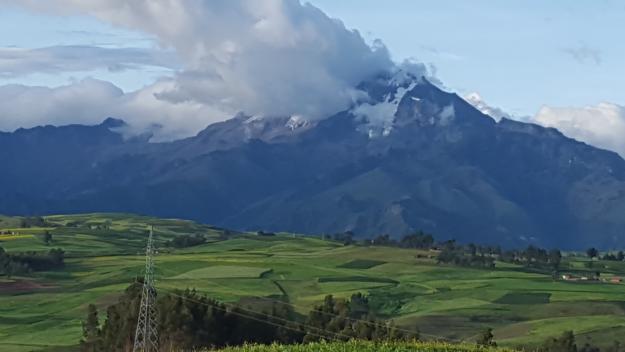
{"points": [[519, 55], [26, 29]]}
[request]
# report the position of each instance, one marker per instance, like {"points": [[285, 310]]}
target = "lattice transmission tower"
{"points": [[146, 336]]}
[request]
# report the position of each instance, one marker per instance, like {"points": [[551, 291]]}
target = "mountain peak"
{"points": [[432, 162], [385, 92], [111, 122], [402, 99]]}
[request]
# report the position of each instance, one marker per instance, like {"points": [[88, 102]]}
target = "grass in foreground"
{"points": [[363, 346]]}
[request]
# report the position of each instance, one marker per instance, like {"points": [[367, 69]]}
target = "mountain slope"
{"points": [[410, 157]]}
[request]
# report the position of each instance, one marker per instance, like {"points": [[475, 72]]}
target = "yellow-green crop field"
{"points": [[104, 253]]}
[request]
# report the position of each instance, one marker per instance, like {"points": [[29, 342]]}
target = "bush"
{"points": [[185, 241], [364, 346]]}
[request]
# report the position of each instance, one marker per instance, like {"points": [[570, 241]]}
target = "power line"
{"points": [[146, 335], [347, 318], [330, 333], [372, 323]]}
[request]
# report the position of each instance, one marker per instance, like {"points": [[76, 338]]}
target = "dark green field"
{"points": [[43, 311]]}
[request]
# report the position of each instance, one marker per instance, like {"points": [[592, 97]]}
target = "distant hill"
{"points": [[411, 157]]}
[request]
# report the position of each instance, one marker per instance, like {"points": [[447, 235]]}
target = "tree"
{"points": [[340, 318], [450, 255], [472, 249], [555, 258], [592, 252], [346, 237], [588, 348], [359, 306], [184, 241], [616, 347], [5, 263], [190, 322], [620, 256], [383, 240], [47, 238], [57, 257], [486, 338], [564, 343], [91, 332], [417, 240]]}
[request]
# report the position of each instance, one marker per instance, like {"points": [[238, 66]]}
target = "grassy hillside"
{"points": [[104, 253], [356, 346]]}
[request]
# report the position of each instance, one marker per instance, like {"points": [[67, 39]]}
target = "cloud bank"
{"points": [[602, 125], [16, 62], [90, 101], [271, 57]]}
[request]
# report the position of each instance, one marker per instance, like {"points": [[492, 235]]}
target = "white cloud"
{"points": [[90, 101], [476, 100], [16, 62], [602, 125], [271, 57], [584, 54], [80, 102]]}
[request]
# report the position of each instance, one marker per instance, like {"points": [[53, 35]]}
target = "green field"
{"points": [[359, 346], [43, 312]]}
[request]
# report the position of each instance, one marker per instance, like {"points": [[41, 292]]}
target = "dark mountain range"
{"points": [[413, 157]]}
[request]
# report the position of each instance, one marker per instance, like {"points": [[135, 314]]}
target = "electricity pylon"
{"points": [[146, 335]]}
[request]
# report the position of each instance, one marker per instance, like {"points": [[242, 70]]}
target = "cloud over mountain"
{"points": [[476, 100], [275, 57], [602, 125], [82, 101], [89, 101]]}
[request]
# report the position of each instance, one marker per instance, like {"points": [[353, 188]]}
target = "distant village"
{"points": [[592, 278]]}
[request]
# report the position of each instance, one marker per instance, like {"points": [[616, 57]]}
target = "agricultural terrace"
{"points": [[42, 311]]}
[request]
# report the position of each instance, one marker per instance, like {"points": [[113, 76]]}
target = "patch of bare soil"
{"points": [[20, 286]]}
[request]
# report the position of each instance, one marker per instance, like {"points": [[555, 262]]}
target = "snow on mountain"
{"points": [[297, 122], [378, 115], [476, 100]]}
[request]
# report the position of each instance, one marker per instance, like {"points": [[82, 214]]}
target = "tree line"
{"points": [[593, 253], [417, 240], [185, 241], [26, 262], [469, 255], [34, 221], [566, 342], [189, 320]]}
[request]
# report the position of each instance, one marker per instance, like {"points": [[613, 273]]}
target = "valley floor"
{"points": [[43, 312]]}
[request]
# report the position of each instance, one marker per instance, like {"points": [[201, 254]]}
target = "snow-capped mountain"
{"points": [[408, 156], [476, 100]]}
